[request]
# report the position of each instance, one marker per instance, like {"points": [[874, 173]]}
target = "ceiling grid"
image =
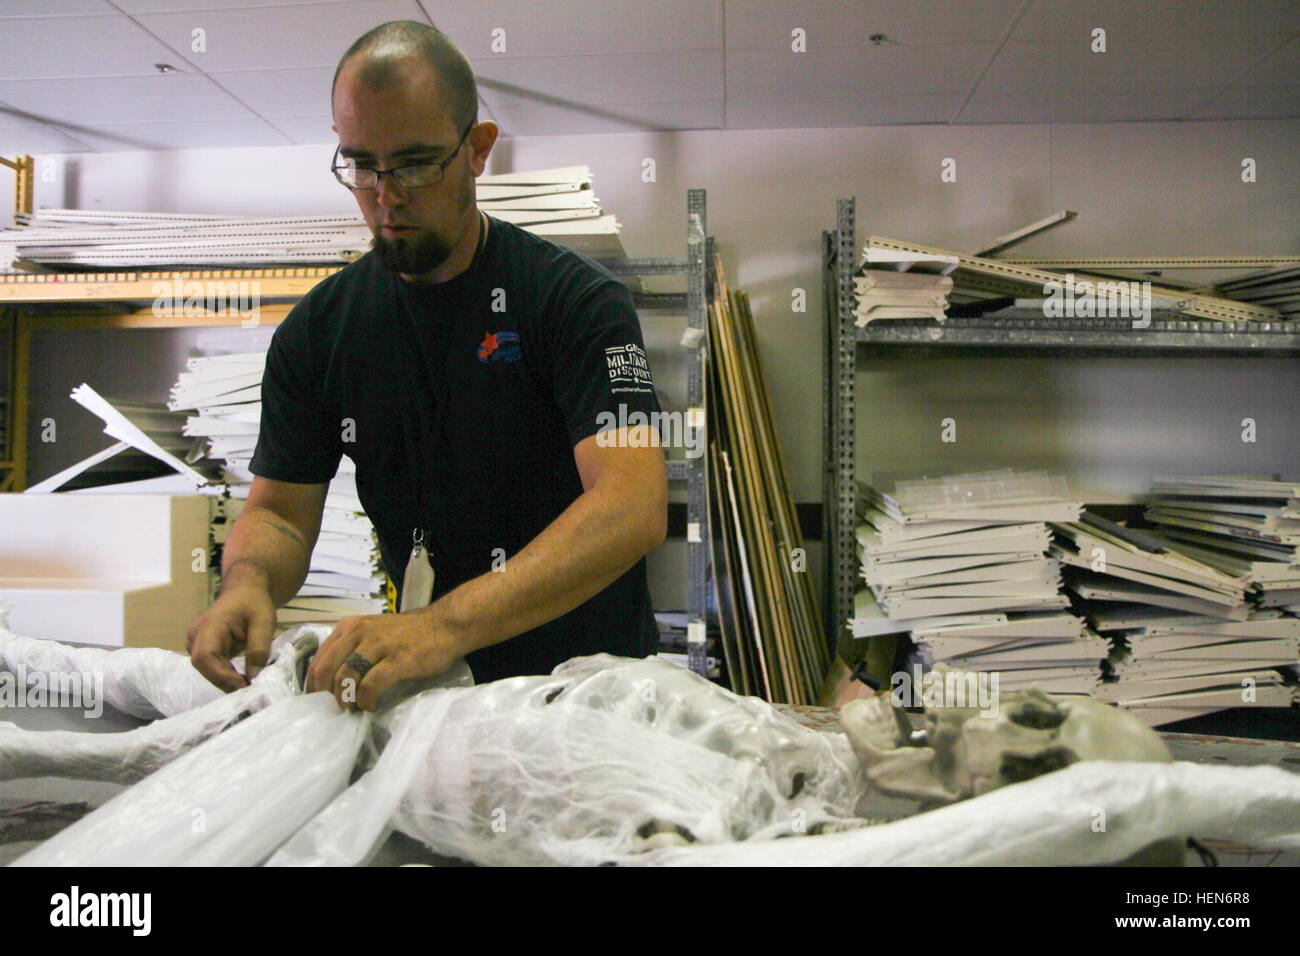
{"points": [[81, 75]]}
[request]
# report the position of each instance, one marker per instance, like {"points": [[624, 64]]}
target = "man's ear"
{"points": [[482, 138]]}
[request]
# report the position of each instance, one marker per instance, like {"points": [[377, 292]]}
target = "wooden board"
{"points": [[762, 540]]}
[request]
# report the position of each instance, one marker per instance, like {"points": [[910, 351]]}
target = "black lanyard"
{"points": [[416, 427]]}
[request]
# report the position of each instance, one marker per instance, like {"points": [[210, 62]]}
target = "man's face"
{"points": [[414, 230]]}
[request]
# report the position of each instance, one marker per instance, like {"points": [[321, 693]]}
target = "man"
{"points": [[461, 364]]}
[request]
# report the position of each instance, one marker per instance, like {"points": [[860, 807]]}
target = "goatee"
{"points": [[413, 255]]}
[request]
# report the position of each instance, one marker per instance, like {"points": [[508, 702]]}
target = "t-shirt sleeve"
{"points": [[602, 376], [299, 439]]}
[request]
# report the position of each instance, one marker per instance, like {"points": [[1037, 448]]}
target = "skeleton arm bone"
{"points": [[134, 754]]}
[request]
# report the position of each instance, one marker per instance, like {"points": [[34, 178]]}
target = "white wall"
{"points": [[1167, 189], [1143, 188]]}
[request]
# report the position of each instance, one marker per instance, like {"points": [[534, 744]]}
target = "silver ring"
{"points": [[359, 665]]}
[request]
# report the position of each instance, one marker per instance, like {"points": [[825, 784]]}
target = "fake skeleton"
{"points": [[139, 679], [601, 761], [605, 759], [145, 682], [627, 761], [962, 753]]}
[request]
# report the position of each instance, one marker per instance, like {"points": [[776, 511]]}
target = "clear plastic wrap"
{"points": [[634, 762], [131, 755], [641, 763], [605, 759], [353, 827], [229, 802], [145, 682], [1052, 820]]}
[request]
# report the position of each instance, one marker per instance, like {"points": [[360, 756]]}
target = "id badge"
{"points": [[417, 583]]}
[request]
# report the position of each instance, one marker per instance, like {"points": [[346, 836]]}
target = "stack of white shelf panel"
{"points": [[961, 563], [557, 203], [1245, 527], [224, 394], [891, 284], [1187, 637]]}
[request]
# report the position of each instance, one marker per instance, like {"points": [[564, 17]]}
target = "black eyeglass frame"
{"points": [[396, 170]]}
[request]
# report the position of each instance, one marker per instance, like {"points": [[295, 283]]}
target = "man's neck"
{"points": [[460, 258]]}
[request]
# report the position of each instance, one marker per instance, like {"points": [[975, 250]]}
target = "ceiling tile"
{"points": [[1072, 21], [38, 47], [1101, 106], [1128, 64], [802, 113], [308, 129], [184, 135], [175, 6], [56, 8], [1280, 69], [128, 99], [1209, 20], [1047, 107], [584, 66], [625, 78], [279, 37], [11, 116], [1009, 108], [767, 24], [576, 27], [1253, 103], [841, 72], [281, 94], [34, 138], [534, 119]]}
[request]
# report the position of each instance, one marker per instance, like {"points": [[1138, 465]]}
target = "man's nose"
{"points": [[389, 192]]}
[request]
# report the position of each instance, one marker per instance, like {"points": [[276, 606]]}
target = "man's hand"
{"points": [[241, 619], [399, 647]]}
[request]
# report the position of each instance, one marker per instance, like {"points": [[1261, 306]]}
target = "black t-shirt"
{"points": [[489, 380]]}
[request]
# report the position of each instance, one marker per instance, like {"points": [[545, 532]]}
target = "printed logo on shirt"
{"points": [[499, 347], [628, 368]]}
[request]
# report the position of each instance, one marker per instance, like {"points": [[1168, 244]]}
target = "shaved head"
{"points": [[384, 52]]}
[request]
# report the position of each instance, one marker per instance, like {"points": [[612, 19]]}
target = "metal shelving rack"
{"points": [[114, 300], [1010, 333], [24, 169], [692, 470]]}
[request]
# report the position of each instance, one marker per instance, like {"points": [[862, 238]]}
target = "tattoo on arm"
{"points": [[287, 532]]}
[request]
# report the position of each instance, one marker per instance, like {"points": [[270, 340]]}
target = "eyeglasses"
{"points": [[411, 176]]}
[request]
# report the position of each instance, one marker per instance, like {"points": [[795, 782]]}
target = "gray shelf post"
{"points": [[697, 501], [840, 477]]}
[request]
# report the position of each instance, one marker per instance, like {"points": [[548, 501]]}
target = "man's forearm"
{"points": [[588, 547], [265, 550]]}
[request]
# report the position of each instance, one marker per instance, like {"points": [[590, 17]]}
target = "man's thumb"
{"points": [[258, 649]]}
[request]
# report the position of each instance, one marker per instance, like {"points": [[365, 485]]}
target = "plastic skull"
{"points": [[963, 752]]}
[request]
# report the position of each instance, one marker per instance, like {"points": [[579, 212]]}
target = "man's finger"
{"points": [[347, 680], [330, 657], [377, 680], [210, 652], [259, 645], [217, 670]]}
